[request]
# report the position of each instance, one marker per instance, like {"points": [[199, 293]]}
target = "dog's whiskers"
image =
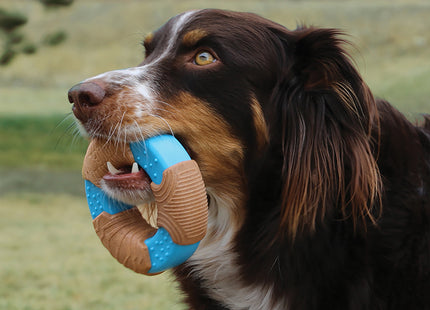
{"points": [[118, 131], [72, 126], [138, 131], [165, 104], [165, 121], [110, 134]]}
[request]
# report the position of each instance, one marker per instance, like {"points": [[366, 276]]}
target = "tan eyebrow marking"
{"points": [[193, 36], [148, 38]]}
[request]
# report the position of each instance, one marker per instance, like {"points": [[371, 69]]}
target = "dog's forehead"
{"points": [[169, 33], [194, 25]]}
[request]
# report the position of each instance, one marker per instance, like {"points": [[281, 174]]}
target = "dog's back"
{"points": [[400, 243]]}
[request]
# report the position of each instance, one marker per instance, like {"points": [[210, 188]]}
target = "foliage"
{"points": [[55, 38], [29, 48], [7, 56], [10, 22], [56, 3], [16, 37]]}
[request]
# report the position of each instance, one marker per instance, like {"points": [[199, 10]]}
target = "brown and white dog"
{"points": [[318, 193]]}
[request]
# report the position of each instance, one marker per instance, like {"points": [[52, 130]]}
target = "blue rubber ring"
{"points": [[154, 155], [158, 153], [98, 201], [166, 254]]}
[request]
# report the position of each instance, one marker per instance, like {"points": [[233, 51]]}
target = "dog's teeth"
{"points": [[134, 168], [112, 169]]}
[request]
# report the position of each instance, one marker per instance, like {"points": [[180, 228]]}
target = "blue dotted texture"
{"points": [[99, 202], [158, 153], [164, 253]]}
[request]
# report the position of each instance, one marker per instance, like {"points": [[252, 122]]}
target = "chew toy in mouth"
{"points": [[128, 178], [179, 192]]}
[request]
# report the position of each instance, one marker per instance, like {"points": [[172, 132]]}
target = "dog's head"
{"points": [[278, 121]]}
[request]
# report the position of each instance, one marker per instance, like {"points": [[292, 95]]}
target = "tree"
{"points": [[14, 42]]}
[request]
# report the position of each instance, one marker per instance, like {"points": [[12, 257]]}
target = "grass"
{"points": [[52, 259], [24, 180], [45, 142], [33, 101]]}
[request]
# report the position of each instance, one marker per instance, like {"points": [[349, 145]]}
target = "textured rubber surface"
{"points": [[99, 202], [182, 203], [157, 154], [165, 254], [98, 153], [124, 235]]}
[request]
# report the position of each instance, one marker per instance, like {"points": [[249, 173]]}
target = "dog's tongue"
{"points": [[123, 173], [124, 179]]}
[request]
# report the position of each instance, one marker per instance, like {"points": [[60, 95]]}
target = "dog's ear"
{"points": [[325, 113]]}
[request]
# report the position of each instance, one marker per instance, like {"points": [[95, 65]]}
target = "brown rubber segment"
{"points": [[99, 152], [182, 203], [124, 235]]}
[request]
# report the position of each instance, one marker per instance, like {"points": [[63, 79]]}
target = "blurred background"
{"points": [[50, 257]]}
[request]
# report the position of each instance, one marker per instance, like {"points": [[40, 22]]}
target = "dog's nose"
{"points": [[86, 94]]}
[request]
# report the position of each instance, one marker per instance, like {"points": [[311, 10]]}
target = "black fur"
{"points": [[341, 263]]}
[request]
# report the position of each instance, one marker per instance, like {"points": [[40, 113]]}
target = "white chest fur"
{"points": [[215, 263]]}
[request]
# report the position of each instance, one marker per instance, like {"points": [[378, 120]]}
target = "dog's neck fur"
{"points": [[215, 264]]}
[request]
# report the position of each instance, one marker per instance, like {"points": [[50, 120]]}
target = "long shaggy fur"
{"points": [[326, 120]]}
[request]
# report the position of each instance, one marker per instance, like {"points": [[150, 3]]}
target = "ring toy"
{"points": [[179, 192]]}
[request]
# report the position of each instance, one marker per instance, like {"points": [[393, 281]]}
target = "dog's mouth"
{"points": [[127, 183], [131, 177], [112, 167]]}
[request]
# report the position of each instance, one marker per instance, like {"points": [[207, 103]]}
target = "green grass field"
{"points": [[50, 257]]}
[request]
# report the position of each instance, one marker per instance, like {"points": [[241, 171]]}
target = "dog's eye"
{"points": [[204, 58]]}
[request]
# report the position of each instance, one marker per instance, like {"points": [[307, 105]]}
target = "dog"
{"points": [[318, 192]]}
